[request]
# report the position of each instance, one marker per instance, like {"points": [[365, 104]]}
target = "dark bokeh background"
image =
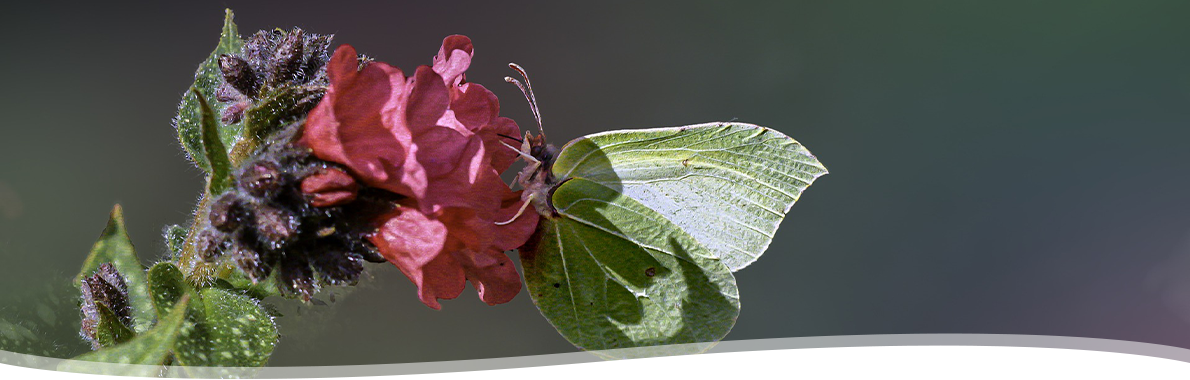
{"points": [[996, 167]]}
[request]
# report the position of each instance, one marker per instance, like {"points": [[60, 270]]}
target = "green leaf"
{"points": [[167, 286], [728, 185], [609, 272], [207, 79], [231, 330], [110, 331], [276, 109], [220, 173], [143, 356], [237, 281], [114, 247], [175, 239]]}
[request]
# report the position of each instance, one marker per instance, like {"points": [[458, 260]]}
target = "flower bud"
{"points": [[249, 261], [234, 112], [261, 179], [211, 244], [106, 287], [287, 60], [275, 227], [238, 74], [298, 277], [227, 213]]}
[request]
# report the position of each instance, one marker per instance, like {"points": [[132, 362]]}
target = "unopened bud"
{"points": [[238, 74], [275, 227], [261, 178], [106, 287], [228, 212], [287, 60]]}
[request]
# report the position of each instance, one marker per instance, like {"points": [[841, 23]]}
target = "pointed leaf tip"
{"points": [[207, 80], [114, 247], [216, 153], [141, 356]]}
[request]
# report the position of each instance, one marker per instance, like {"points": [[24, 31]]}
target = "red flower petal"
{"points": [[492, 273], [349, 126], [453, 59], [443, 279], [330, 187], [502, 156], [412, 241], [474, 107], [428, 100]]}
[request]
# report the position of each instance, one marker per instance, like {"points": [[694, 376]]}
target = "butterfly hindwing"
{"points": [[728, 185], [609, 272]]}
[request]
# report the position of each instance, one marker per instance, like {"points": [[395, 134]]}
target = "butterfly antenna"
{"points": [[518, 140], [527, 89], [526, 156]]}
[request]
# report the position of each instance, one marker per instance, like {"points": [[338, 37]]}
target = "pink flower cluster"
{"points": [[433, 138]]}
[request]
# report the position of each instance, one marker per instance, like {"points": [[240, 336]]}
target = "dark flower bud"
{"points": [[287, 60], [106, 287], [298, 278], [261, 178], [249, 261], [234, 112], [238, 74], [367, 252], [291, 217], [336, 267], [258, 46], [211, 244], [318, 48], [226, 93], [275, 227], [228, 212]]}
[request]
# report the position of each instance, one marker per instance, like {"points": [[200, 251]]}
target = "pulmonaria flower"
{"points": [[433, 138]]}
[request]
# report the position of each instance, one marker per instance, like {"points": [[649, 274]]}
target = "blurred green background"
{"points": [[1013, 167]]}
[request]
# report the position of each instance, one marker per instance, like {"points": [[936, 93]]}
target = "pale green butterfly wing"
{"points": [[609, 272], [728, 185]]}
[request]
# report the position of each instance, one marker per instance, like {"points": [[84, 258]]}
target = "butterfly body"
{"points": [[537, 178]]}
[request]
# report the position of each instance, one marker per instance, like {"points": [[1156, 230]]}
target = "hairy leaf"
{"points": [[114, 247], [142, 356], [275, 110], [231, 330], [175, 237], [167, 287], [220, 173], [206, 81], [110, 331]]}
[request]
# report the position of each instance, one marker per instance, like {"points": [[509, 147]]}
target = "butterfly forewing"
{"points": [[728, 185], [610, 273]]}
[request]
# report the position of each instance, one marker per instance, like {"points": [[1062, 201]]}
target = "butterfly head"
{"points": [[536, 178]]}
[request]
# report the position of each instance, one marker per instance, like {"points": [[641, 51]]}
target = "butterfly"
{"points": [[642, 229]]}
